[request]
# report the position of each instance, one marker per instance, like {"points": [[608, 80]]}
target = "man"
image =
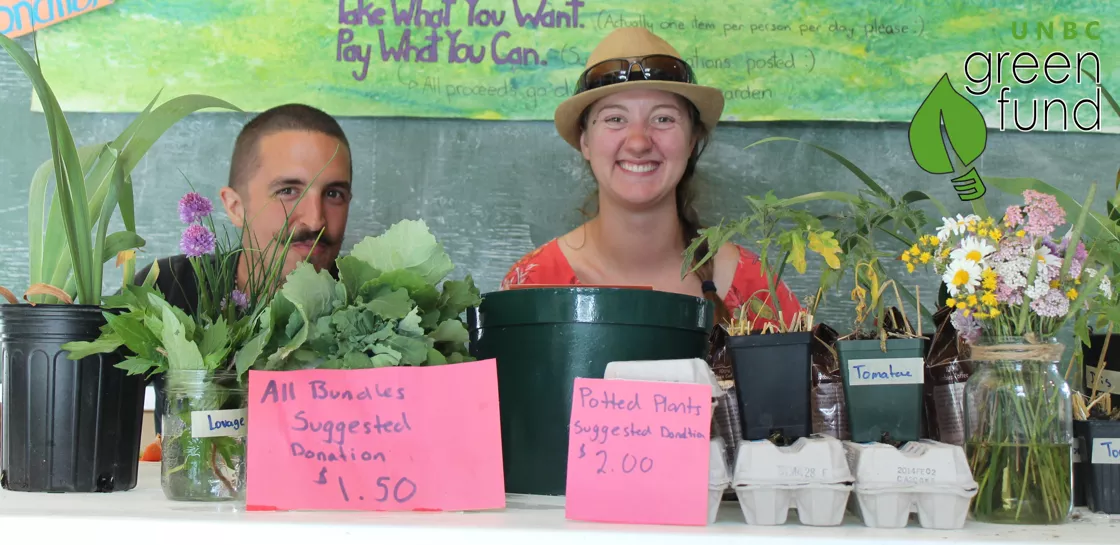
{"points": [[275, 159]]}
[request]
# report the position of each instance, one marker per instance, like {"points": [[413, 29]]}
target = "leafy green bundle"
{"points": [[385, 309]]}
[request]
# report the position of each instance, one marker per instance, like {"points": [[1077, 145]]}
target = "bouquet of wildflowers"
{"points": [[1013, 277], [1011, 281]]}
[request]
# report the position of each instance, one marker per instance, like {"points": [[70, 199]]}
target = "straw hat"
{"points": [[632, 43]]}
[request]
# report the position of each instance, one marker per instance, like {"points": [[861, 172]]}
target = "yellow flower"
{"points": [[988, 282], [989, 299], [915, 250], [994, 312], [961, 306], [945, 253], [966, 312], [1020, 233], [1077, 280], [934, 241], [925, 257], [995, 235], [1072, 293], [905, 257], [909, 267], [951, 302], [1054, 284], [972, 300], [981, 315]]}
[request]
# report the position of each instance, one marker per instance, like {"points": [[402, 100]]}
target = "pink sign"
{"points": [[638, 452], [386, 439], [19, 17]]}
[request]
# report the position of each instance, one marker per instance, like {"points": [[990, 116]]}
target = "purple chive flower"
{"points": [[193, 207], [240, 299], [197, 241]]}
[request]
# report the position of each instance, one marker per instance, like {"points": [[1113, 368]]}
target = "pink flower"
{"points": [[1052, 305], [197, 241], [1043, 213], [967, 326], [1014, 216], [193, 207]]}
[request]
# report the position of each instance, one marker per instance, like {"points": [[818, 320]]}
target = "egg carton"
{"points": [[811, 475], [927, 477], [817, 459], [816, 504], [719, 478], [937, 508], [688, 371]]}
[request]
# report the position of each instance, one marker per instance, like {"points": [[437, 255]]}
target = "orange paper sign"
{"points": [[638, 452], [19, 17], [387, 439]]}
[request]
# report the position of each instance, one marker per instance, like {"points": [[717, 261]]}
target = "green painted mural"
{"points": [[516, 59]]}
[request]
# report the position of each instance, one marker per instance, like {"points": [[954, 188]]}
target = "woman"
{"points": [[641, 121]]}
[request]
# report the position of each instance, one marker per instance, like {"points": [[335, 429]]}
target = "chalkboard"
{"points": [[493, 190]]}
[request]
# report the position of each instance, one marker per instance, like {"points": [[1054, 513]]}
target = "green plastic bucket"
{"points": [[882, 403], [545, 338]]}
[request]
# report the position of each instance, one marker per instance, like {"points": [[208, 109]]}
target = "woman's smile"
{"points": [[636, 167]]}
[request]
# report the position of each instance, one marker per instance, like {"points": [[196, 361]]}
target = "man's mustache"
{"points": [[307, 235]]}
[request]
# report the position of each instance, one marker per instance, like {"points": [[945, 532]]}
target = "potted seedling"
{"points": [[882, 359], [88, 437], [770, 349]]}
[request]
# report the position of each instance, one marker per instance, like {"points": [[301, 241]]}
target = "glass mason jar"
{"points": [[1019, 431], [204, 436]]}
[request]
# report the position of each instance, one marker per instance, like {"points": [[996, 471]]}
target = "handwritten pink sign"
{"points": [[386, 439], [638, 452], [19, 17]]}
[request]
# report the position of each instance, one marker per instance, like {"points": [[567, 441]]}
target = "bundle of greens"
{"points": [[387, 308]]}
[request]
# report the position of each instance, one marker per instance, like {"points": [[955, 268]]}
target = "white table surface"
{"points": [[144, 516]]}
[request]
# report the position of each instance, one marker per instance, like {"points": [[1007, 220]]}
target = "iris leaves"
{"points": [[69, 250]]}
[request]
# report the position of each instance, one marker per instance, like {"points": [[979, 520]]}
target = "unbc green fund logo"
{"points": [[967, 137]]}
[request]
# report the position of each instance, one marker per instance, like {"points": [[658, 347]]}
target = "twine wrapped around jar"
{"points": [[1032, 350]]}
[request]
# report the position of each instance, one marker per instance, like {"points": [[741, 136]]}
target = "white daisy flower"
{"points": [[962, 276], [957, 226], [972, 249], [1046, 258]]}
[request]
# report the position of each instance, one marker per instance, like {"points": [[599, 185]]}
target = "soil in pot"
{"points": [[69, 426], [772, 373], [883, 389]]}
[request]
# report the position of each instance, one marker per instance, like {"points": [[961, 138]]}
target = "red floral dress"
{"points": [[548, 265]]}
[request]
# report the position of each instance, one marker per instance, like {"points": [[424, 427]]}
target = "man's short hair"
{"points": [[288, 117]]}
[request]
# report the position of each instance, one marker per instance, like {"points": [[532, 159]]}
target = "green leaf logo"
{"points": [[963, 122], [969, 187]]}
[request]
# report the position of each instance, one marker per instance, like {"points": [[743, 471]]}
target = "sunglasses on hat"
{"points": [[649, 68]]}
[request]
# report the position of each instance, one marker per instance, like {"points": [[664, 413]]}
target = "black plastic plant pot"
{"points": [[68, 426], [883, 389], [545, 338], [1100, 464], [772, 384]]}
